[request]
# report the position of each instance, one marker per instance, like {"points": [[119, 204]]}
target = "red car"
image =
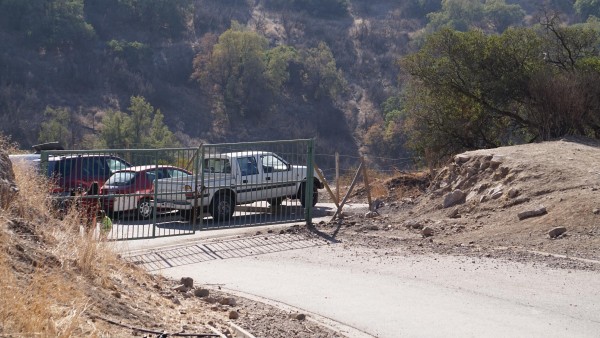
{"points": [[81, 172], [133, 189]]}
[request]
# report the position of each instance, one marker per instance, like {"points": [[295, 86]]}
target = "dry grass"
{"points": [[9, 145], [33, 203], [48, 266], [44, 303]]}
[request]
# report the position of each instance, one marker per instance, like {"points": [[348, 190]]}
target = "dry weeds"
{"points": [[61, 279], [49, 265], [377, 183]]}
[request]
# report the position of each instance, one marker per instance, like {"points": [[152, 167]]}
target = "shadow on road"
{"points": [[234, 248], [329, 238]]}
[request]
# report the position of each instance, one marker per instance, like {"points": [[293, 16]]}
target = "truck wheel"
{"points": [[222, 207], [275, 202], [188, 215], [145, 208], [301, 195]]}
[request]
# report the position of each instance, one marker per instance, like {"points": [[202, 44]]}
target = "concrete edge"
{"points": [[585, 260], [239, 332], [215, 331], [340, 328]]}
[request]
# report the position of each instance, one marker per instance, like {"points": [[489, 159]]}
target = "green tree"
{"points": [[57, 127], [420, 8], [277, 62], [114, 133], [321, 75], [140, 120], [160, 136], [456, 14], [462, 15], [566, 46], [48, 23], [500, 15], [467, 87], [133, 52], [235, 71], [587, 8], [143, 128], [163, 18], [469, 90], [244, 77]]}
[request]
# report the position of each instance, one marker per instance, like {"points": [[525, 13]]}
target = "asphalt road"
{"points": [[394, 296]]}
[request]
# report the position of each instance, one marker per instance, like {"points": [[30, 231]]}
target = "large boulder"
{"points": [[8, 187], [453, 198]]}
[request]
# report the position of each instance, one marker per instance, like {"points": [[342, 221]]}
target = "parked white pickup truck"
{"points": [[230, 179]]}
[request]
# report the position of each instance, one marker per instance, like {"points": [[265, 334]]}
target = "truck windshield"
{"points": [[271, 164]]}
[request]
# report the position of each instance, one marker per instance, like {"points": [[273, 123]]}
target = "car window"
{"points": [[272, 163], [151, 175], [63, 167], [217, 165], [122, 178], [176, 173], [94, 167], [116, 164], [247, 165]]}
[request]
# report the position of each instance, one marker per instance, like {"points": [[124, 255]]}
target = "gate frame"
{"points": [[199, 154]]}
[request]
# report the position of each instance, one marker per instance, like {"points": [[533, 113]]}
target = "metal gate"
{"points": [[124, 185], [262, 182]]}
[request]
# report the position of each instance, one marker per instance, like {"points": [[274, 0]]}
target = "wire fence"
{"points": [[348, 164]]}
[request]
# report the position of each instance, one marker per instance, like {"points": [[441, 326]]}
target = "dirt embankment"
{"points": [[60, 279], [525, 202]]}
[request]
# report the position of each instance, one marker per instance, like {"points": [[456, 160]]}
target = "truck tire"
{"points": [[301, 195], [275, 202], [188, 215], [222, 206]]}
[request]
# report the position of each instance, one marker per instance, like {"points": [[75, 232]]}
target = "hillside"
{"points": [[90, 75], [91, 58]]}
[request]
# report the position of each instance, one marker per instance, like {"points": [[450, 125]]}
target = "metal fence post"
{"points": [[200, 174], [308, 193], [197, 211], [155, 194]]}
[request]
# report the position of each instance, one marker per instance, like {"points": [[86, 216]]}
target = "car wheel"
{"points": [[145, 208], [222, 207]]}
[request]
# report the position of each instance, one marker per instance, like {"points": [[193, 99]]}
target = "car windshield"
{"points": [[122, 178]]}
